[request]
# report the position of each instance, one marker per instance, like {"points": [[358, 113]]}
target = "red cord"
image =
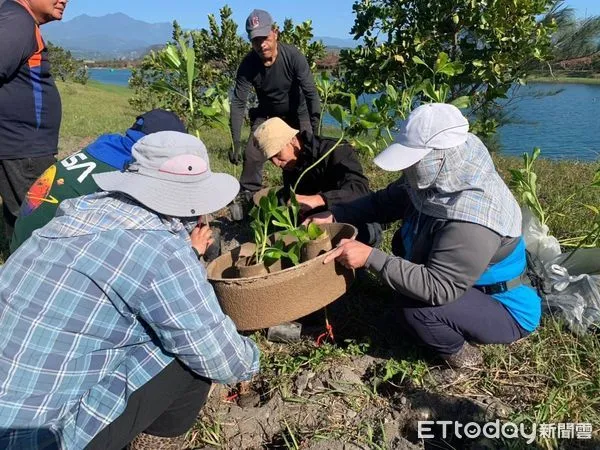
{"points": [[328, 334], [231, 398]]}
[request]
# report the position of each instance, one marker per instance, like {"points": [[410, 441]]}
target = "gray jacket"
{"points": [[447, 256]]}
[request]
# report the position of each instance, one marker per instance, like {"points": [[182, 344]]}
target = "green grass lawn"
{"points": [[551, 377], [91, 110], [563, 79]]}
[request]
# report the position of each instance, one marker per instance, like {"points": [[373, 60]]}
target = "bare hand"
{"points": [[309, 202], [201, 237], [350, 253], [319, 218]]}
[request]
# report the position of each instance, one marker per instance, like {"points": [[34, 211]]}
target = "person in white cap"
{"points": [[459, 260], [109, 327]]}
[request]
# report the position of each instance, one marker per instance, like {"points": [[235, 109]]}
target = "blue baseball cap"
{"points": [[158, 120]]}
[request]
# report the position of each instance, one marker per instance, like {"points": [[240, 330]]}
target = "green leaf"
{"points": [[339, 114], [391, 92], [191, 66], [263, 203], [362, 110], [163, 86], [352, 103], [462, 102], [528, 196], [596, 180], [314, 231], [452, 69], [208, 111], [532, 180], [367, 124], [171, 57], [429, 90], [441, 61], [418, 60]]}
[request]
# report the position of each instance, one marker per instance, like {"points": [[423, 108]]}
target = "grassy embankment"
{"points": [[563, 79], [550, 377]]}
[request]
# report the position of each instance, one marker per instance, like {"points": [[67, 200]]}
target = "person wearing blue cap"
{"points": [[285, 88], [72, 176], [459, 265]]}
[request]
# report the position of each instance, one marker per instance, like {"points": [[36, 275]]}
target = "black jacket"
{"points": [[338, 178]]}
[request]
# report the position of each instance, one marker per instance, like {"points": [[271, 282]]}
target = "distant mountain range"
{"points": [[118, 36]]}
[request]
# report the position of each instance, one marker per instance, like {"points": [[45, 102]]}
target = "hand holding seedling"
{"points": [[201, 237], [350, 253]]}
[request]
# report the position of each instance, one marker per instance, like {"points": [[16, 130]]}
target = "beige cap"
{"points": [[272, 135]]}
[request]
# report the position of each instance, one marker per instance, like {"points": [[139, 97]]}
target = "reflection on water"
{"points": [[566, 125]]}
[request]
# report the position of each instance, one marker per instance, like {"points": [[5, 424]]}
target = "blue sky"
{"points": [[330, 17]]}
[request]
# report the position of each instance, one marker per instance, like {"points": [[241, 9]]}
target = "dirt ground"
{"points": [[367, 389]]}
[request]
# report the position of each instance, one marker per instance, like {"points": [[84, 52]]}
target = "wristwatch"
{"points": [[198, 254]]}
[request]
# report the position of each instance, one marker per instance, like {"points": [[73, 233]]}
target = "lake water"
{"points": [[119, 77], [564, 126]]}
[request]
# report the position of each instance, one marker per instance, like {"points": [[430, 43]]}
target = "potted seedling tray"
{"points": [[283, 293]]}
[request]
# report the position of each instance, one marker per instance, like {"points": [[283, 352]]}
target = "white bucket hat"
{"points": [[171, 175], [432, 126]]}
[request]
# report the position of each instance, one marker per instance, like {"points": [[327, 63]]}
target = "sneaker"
{"points": [[148, 442], [467, 357]]}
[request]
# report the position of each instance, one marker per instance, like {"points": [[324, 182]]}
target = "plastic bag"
{"points": [[537, 238], [575, 292], [570, 285]]}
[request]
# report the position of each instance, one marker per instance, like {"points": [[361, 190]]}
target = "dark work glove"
{"points": [[235, 155], [314, 122]]}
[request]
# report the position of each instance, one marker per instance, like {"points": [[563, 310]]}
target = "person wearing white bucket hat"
{"points": [[459, 260], [117, 332]]}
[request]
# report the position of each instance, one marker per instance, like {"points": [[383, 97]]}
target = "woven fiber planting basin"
{"points": [[282, 295]]}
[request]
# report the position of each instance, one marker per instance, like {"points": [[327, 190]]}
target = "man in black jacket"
{"points": [[284, 86], [337, 179]]}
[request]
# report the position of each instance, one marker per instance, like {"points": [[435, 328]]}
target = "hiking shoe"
{"points": [[148, 442], [467, 357]]}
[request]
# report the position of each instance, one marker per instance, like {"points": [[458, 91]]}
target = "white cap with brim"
{"points": [[434, 126], [171, 175]]}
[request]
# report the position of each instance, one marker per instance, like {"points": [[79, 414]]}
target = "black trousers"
{"points": [[16, 177], [474, 317], [254, 160], [166, 406]]}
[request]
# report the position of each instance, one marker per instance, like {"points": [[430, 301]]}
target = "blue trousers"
{"points": [[474, 317]]}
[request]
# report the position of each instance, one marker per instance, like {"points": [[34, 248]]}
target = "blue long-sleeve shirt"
{"points": [[30, 107], [93, 306]]}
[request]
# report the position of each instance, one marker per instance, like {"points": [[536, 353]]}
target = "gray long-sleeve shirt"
{"points": [[447, 256], [284, 89]]}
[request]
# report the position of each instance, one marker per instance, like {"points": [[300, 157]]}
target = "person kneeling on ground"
{"points": [[337, 179], [73, 176], [116, 330], [460, 258]]}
